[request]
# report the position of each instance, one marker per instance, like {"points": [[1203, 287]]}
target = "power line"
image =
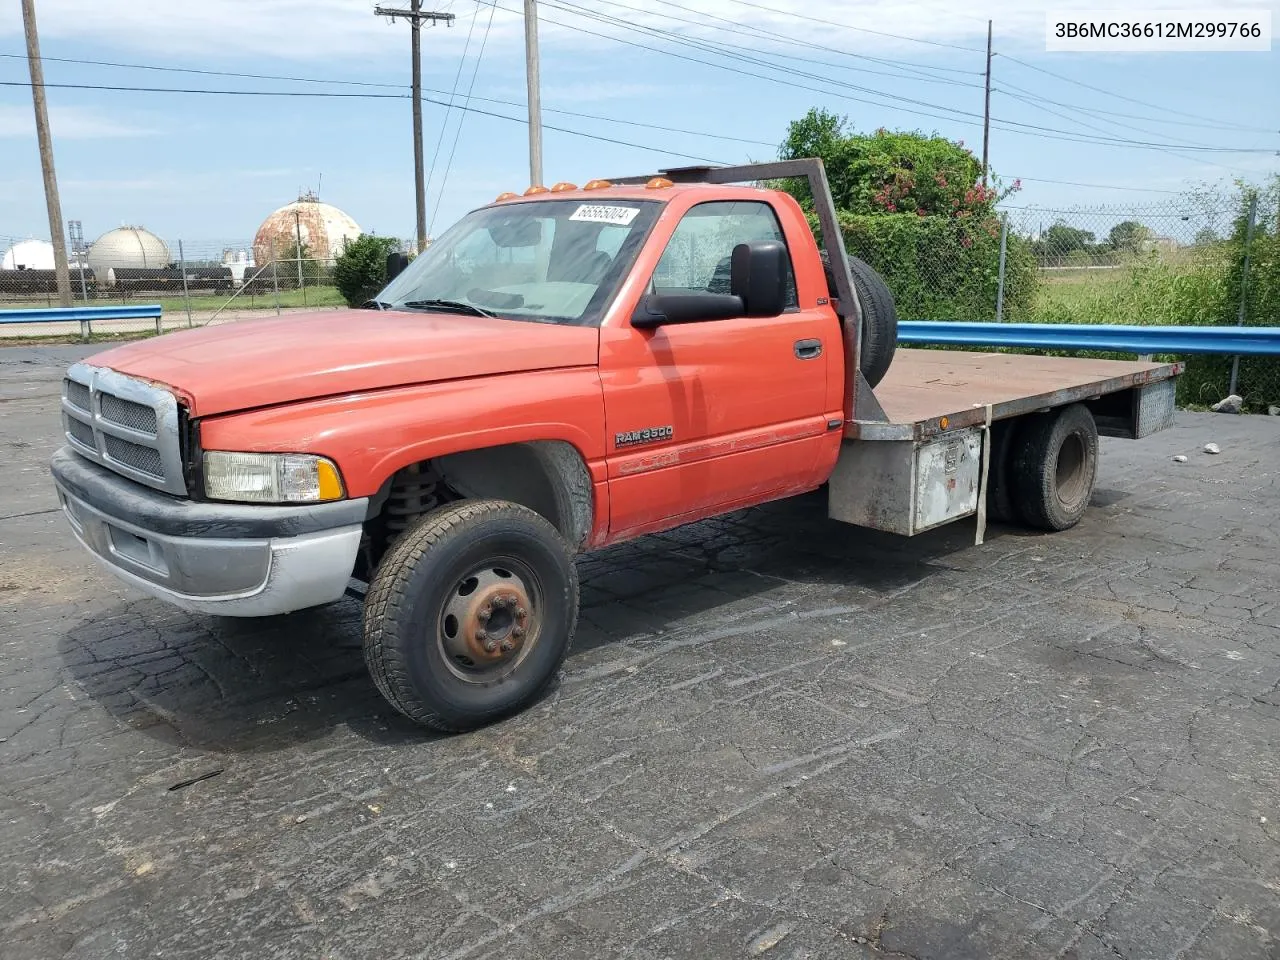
{"points": [[457, 134], [1110, 93], [845, 26], [1099, 186], [435, 154], [757, 33], [366, 96], [1098, 111], [952, 114], [395, 86]]}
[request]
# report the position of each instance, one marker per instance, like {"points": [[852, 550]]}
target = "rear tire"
{"points": [[879, 317], [470, 614], [1054, 466]]}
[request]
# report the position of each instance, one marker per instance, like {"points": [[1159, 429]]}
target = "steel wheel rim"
{"points": [[491, 620], [1071, 470]]}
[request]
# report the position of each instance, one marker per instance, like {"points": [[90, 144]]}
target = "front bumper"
{"points": [[230, 559]]}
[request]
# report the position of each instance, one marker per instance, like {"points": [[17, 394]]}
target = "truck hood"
{"points": [[257, 363]]}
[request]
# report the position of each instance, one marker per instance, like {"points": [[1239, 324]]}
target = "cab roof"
{"points": [[661, 194]]}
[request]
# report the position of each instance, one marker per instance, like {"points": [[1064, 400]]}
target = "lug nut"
{"points": [[485, 612], [507, 646], [517, 632], [481, 636], [521, 613], [491, 645]]}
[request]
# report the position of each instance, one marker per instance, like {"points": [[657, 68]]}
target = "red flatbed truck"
{"points": [[560, 371]]}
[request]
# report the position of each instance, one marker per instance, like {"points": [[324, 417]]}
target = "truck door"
{"points": [[711, 416]]}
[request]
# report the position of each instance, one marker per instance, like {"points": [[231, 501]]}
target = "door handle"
{"points": [[808, 349]]}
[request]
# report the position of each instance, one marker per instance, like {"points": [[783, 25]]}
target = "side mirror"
{"points": [[396, 262], [659, 309], [758, 275], [757, 281]]}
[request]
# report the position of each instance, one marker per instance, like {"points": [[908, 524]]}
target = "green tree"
{"points": [[361, 270], [1206, 237], [914, 207], [889, 171], [1060, 240], [1129, 235]]}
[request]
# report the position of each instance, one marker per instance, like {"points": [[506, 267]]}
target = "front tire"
{"points": [[470, 614]]}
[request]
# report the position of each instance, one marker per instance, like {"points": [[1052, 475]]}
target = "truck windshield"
{"points": [[549, 261]]}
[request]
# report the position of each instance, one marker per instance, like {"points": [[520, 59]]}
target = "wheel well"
{"points": [[547, 476]]}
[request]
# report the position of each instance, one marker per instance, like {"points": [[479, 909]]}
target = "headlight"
{"points": [[270, 477]]}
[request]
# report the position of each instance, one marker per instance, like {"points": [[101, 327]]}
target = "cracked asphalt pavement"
{"points": [[776, 736]]}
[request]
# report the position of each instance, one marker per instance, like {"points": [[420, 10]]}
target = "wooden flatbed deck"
{"points": [[924, 386]]}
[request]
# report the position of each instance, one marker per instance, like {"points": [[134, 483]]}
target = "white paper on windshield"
{"points": [[604, 213]]}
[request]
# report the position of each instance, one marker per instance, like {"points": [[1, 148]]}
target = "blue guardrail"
{"points": [[1245, 341], [83, 315]]}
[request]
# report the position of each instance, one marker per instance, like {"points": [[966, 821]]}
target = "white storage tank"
{"points": [[128, 247], [29, 255]]}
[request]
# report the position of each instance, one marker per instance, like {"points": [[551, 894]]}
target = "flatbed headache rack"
{"points": [[933, 412]]}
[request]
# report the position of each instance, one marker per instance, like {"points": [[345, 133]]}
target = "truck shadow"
{"points": [[230, 685]]}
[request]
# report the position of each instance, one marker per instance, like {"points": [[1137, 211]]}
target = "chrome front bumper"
{"points": [[229, 559]]}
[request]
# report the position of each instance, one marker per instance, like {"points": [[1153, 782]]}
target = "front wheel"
{"points": [[470, 614]]}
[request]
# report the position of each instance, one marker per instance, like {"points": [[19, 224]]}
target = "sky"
{"points": [[674, 81]]}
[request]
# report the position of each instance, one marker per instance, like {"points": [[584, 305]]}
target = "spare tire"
{"points": [[879, 317]]}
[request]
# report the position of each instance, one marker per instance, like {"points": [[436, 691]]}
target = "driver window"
{"points": [[698, 256]]}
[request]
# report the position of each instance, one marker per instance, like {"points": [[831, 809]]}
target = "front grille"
{"points": [[78, 394], [135, 416], [126, 425], [146, 459], [80, 431]]}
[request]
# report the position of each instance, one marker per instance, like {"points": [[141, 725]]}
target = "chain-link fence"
{"points": [[194, 283], [1182, 262]]}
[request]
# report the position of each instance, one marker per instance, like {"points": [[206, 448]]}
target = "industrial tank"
{"points": [[130, 248], [28, 255], [323, 228]]}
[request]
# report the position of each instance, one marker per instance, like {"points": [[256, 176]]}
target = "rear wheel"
{"points": [[1054, 467], [470, 614], [879, 318]]}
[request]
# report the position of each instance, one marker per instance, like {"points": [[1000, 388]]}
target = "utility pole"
{"points": [[535, 101], [61, 270], [986, 110], [415, 15]]}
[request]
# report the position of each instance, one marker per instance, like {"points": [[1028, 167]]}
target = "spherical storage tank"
{"points": [[127, 247], [324, 230], [28, 255]]}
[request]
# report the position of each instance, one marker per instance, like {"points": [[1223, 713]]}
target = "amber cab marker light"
{"points": [[944, 423], [658, 183], [564, 186], [536, 189], [509, 195], [597, 185]]}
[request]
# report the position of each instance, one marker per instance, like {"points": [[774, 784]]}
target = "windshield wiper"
{"points": [[458, 306], [375, 305]]}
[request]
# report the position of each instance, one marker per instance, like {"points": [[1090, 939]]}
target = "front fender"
{"points": [[372, 435]]}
